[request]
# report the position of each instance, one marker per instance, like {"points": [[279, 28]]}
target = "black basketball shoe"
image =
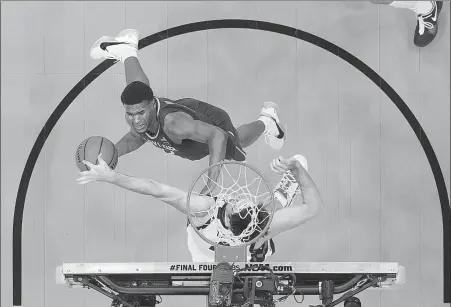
{"points": [[427, 26]]}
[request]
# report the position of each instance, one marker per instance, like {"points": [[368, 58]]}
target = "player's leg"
{"points": [[123, 47], [427, 17], [268, 124], [249, 133], [134, 71]]}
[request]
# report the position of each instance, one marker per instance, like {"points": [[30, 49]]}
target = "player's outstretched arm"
{"points": [[145, 186], [165, 193], [298, 213], [182, 126], [129, 142]]}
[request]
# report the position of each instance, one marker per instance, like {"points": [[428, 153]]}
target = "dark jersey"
{"points": [[190, 149]]}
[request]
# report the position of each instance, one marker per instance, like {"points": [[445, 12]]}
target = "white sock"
{"points": [[123, 51], [269, 124], [128, 52], [419, 7]]}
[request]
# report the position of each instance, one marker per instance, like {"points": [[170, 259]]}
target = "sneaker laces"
{"points": [[268, 138], [423, 24]]}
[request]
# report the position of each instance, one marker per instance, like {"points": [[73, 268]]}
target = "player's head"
{"points": [[139, 104], [239, 221]]}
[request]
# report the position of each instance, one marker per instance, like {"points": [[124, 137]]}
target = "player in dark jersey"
{"points": [[188, 128]]}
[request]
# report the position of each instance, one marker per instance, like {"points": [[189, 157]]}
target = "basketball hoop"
{"points": [[247, 193]]}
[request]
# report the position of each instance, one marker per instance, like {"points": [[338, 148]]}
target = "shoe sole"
{"points": [[439, 5]]}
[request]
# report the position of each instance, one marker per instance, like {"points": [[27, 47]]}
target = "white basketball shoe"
{"points": [[274, 134], [287, 188], [125, 44]]}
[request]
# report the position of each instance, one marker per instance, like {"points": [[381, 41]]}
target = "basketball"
{"points": [[89, 150]]}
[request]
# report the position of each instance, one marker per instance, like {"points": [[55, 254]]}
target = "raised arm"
{"points": [[306, 207], [129, 142], [170, 195], [165, 193]]}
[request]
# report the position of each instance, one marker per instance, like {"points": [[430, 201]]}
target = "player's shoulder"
{"points": [[168, 102], [174, 123], [171, 118], [175, 112], [174, 118], [169, 106]]}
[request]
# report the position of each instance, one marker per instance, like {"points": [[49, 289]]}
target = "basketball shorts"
{"points": [[219, 118]]}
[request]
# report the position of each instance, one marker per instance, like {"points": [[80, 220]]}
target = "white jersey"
{"points": [[202, 251]]}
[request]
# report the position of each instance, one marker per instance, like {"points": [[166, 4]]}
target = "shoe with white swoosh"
{"points": [[109, 47], [427, 26]]}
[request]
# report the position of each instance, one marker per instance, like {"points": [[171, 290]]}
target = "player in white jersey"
{"points": [[295, 183]]}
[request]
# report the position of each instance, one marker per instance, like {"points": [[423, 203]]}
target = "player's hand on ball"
{"points": [[97, 172]]}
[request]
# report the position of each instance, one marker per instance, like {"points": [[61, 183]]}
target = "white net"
{"points": [[245, 194]]}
